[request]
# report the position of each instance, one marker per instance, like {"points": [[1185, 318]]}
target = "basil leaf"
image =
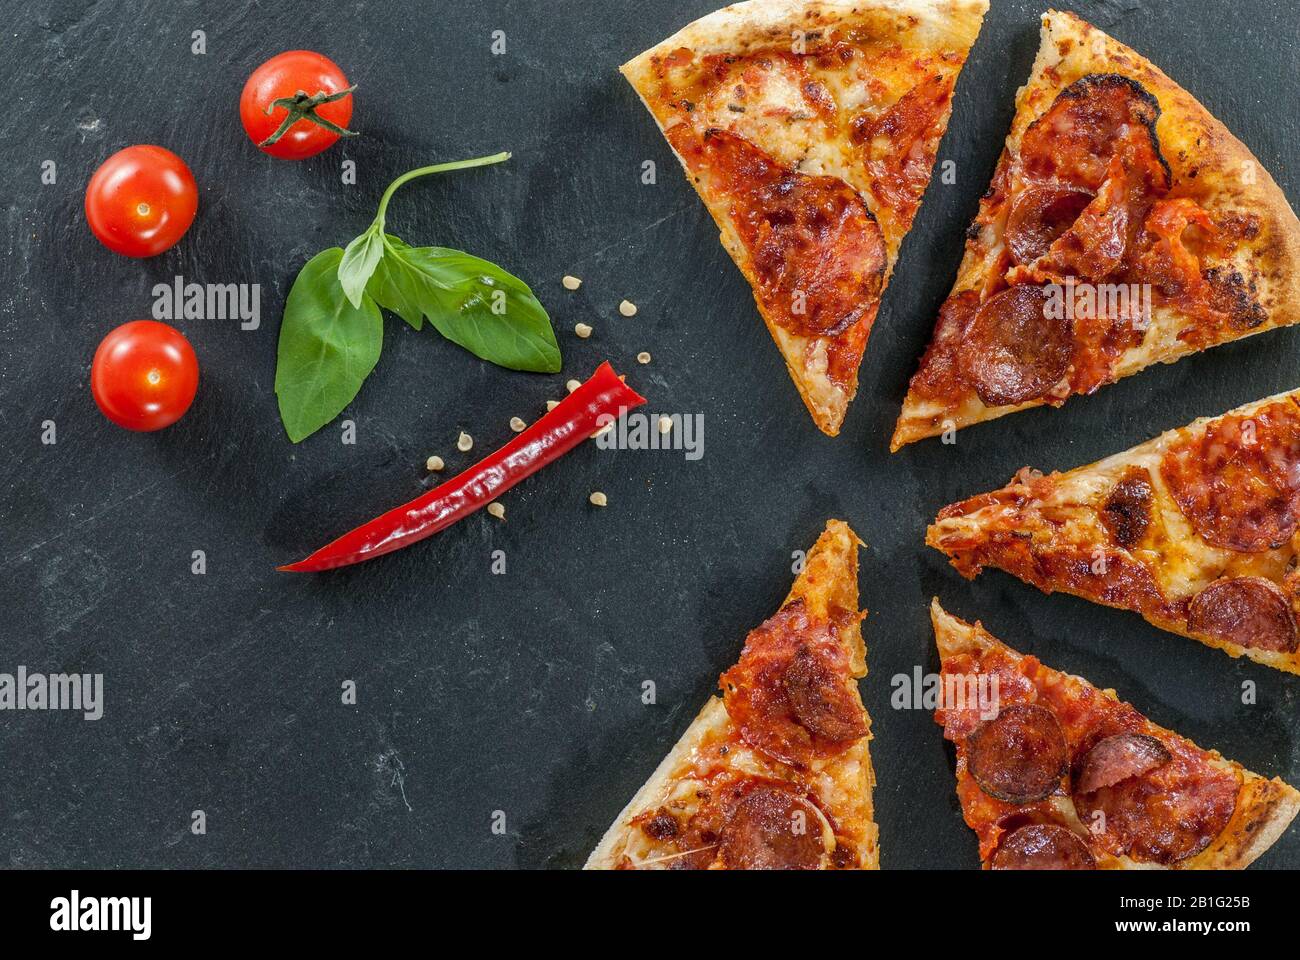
{"points": [[476, 304], [396, 290], [327, 347], [359, 261]]}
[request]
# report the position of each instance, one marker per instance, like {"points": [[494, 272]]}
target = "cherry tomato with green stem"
{"points": [[144, 375], [296, 104], [141, 201]]}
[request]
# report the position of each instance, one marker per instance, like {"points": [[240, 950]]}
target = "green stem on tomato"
{"points": [[302, 107], [425, 171]]}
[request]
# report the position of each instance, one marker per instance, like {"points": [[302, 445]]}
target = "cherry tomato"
{"points": [[285, 76], [141, 201], [144, 375]]}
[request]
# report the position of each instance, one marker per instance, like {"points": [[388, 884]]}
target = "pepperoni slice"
{"points": [[816, 249], [1092, 120], [791, 694], [1126, 514], [901, 144], [1093, 247], [820, 699], [1248, 611], [772, 829], [1014, 350], [1039, 215], [1043, 846], [1020, 755], [1166, 814], [1117, 758], [1167, 262], [1238, 482]]}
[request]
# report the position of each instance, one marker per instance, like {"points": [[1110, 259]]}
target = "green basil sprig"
{"points": [[332, 330]]}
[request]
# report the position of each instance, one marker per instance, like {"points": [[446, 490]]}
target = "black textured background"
{"points": [[519, 692]]}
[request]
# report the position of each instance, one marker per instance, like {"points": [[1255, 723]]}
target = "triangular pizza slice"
{"points": [[1196, 530], [1055, 774], [809, 128], [1124, 226], [776, 773]]}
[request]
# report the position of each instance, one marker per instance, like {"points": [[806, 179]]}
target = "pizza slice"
{"points": [[809, 129], [776, 773], [1124, 226], [1055, 774], [1196, 530]]}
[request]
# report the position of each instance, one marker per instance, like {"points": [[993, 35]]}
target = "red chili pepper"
{"points": [[597, 402]]}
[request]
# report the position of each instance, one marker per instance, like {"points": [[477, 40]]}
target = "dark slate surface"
{"points": [[519, 692]]}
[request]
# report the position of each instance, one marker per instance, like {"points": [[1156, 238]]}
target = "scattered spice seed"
{"points": [[570, 282], [665, 424], [643, 357], [598, 499], [434, 463], [551, 405], [464, 442], [497, 509], [597, 402], [573, 385], [627, 308], [605, 429], [517, 425], [582, 330]]}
